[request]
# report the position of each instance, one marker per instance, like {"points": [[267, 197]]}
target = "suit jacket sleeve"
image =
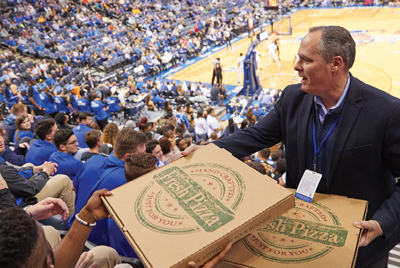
{"points": [[264, 134], [388, 215], [18, 185]]}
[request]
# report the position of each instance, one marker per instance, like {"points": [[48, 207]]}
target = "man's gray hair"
{"points": [[336, 41]]}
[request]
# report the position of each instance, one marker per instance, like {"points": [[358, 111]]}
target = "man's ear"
{"points": [[337, 63], [126, 156]]}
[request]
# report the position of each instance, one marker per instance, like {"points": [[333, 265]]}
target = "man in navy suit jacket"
{"points": [[359, 159]]}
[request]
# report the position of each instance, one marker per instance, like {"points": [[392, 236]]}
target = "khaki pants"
{"points": [[104, 257], [59, 186]]}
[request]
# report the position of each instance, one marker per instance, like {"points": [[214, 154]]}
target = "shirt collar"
{"points": [[116, 160], [323, 112]]}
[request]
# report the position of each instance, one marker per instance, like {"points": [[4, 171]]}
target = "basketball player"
{"points": [[272, 52]]}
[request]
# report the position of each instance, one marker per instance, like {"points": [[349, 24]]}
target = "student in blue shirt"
{"points": [[47, 99], [156, 99], [11, 42], [258, 112], [85, 120], [40, 150], [99, 110], [34, 97], [180, 117], [153, 147], [23, 125], [112, 103], [67, 145], [83, 103], [9, 95], [136, 165], [106, 172], [60, 102]]}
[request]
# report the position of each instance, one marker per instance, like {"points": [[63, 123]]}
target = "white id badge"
{"points": [[308, 185]]}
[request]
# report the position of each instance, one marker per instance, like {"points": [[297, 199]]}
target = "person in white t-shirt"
{"points": [[273, 52], [212, 124], [240, 67], [200, 126]]}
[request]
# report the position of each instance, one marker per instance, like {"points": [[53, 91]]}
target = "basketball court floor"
{"points": [[375, 30]]}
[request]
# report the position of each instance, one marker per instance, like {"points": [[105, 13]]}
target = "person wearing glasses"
{"points": [[67, 145]]}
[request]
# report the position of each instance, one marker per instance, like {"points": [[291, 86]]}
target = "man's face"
{"points": [[182, 145], [72, 145], [157, 152], [315, 72], [2, 145], [88, 121]]}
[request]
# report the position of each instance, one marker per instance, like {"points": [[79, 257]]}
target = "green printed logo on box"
{"points": [[303, 234], [190, 199]]}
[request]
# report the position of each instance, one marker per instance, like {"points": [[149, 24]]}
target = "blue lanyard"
{"points": [[317, 150]]}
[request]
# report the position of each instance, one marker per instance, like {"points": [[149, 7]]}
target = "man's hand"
{"points": [[49, 167], [94, 209], [48, 208], [190, 149], [372, 229], [215, 261], [31, 119], [84, 259], [24, 145]]}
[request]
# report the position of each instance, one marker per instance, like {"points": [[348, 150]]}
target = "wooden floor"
{"points": [[376, 31]]}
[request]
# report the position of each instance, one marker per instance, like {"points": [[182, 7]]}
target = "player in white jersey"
{"points": [[272, 52], [240, 67]]}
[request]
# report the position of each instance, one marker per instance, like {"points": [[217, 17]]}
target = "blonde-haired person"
{"points": [[109, 134]]}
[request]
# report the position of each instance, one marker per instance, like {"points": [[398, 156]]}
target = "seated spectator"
{"points": [[109, 134], [170, 151], [180, 117], [153, 147], [257, 111], [23, 183], [23, 128], [106, 172], [213, 124], [136, 165], [11, 43], [39, 47], [41, 149], [9, 122], [85, 120], [279, 170], [213, 137], [62, 121], [275, 156], [181, 144], [263, 157], [149, 103], [231, 128], [156, 99], [93, 141], [257, 166], [15, 156], [251, 119], [24, 242], [67, 146]]}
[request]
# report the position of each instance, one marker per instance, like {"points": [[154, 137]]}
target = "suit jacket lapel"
{"points": [[350, 112], [302, 130]]}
